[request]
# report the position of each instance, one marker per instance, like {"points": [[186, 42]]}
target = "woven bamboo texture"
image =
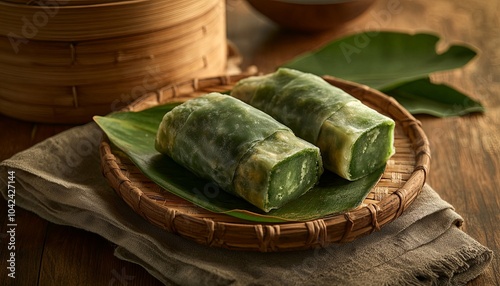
{"points": [[400, 184], [65, 63]]}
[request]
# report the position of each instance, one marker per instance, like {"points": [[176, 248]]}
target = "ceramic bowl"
{"points": [[312, 15]]}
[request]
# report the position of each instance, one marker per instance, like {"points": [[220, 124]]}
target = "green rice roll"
{"points": [[354, 139], [242, 149]]}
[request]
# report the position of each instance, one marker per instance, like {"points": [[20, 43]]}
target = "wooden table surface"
{"points": [[465, 168]]}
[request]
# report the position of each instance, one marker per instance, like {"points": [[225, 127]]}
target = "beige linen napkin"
{"points": [[60, 180]]}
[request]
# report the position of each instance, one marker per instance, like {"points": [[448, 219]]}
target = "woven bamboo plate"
{"points": [[401, 182]]}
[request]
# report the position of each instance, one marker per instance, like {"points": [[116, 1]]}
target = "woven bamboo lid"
{"points": [[400, 184]]}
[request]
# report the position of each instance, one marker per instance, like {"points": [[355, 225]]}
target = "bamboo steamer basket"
{"points": [[400, 184], [65, 61]]}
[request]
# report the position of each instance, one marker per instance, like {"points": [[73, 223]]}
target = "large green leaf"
{"points": [[134, 134], [435, 99], [383, 60], [387, 61]]}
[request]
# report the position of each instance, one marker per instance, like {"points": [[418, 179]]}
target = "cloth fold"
{"points": [[60, 180]]}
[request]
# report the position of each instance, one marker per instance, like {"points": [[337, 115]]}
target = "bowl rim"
{"points": [[317, 2]]}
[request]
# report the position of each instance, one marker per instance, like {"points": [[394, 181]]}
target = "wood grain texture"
{"points": [[465, 168]]}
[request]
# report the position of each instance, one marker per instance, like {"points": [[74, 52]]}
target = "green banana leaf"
{"points": [[133, 133], [389, 61], [451, 102]]}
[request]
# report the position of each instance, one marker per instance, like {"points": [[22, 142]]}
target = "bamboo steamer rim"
{"points": [[173, 214], [56, 53], [113, 71], [68, 2], [112, 19]]}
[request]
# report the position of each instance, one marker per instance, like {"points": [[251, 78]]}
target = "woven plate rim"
{"points": [[237, 234]]}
